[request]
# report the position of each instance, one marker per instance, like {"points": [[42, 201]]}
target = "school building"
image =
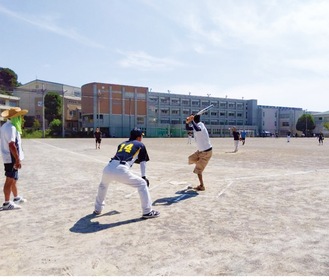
{"points": [[116, 109]]}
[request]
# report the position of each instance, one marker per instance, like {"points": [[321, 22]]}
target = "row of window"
{"points": [[195, 103], [207, 122], [186, 112]]}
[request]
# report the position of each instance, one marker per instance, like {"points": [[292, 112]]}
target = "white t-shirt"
{"points": [[9, 134], [202, 137]]}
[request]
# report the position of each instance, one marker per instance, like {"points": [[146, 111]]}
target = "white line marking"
{"points": [[228, 185], [69, 151]]}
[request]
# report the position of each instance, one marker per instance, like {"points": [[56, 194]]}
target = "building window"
{"points": [[164, 121], [195, 103], [175, 122], [140, 120], [164, 100], [153, 100], [164, 111], [285, 124]]}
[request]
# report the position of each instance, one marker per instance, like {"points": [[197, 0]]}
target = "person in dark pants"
{"points": [[98, 137]]}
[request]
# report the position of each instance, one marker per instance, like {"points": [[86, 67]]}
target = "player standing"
{"points": [[118, 169], [98, 137], [202, 156]]}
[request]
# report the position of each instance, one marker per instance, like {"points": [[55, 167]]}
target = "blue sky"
{"points": [[275, 51]]}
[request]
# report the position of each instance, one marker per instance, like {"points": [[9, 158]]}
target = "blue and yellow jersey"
{"points": [[131, 151]]}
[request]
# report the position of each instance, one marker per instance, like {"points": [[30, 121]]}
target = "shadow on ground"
{"points": [[182, 195], [86, 225]]}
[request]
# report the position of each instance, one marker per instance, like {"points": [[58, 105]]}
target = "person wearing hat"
{"points": [[12, 155], [118, 169]]}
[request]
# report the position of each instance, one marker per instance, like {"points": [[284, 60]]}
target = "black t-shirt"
{"points": [[236, 135], [97, 134]]}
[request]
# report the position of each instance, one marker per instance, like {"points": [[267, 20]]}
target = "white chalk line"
{"points": [[72, 152], [224, 190]]}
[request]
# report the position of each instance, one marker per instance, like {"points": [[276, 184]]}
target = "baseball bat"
{"points": [[204, 110]]}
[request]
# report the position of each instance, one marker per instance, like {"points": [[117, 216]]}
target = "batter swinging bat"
{"points": [[204, 110]]}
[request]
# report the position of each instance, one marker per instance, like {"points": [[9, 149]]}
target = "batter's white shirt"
{"points": [[9, 134], [202, 137]]}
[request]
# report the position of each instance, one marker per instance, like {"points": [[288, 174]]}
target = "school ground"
{"points": [[264, 211]]}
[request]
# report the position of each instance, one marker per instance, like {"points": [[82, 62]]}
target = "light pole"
{"points": [[99, 106], [43, 110], [63, 113], [306, 122]]}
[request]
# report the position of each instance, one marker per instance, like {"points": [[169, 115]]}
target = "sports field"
{"points": [[264, 211]]}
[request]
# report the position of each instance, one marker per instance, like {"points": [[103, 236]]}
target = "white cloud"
{"points": [[48, 23], [143, 61]]}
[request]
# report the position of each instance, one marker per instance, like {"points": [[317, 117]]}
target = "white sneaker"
{"points": [[19, 199], [10, 206]]}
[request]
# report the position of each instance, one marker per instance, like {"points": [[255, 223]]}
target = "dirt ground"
{"points": [[264, 212]]}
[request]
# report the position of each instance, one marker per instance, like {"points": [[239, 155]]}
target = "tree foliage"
{"points": [[326, 125], [55, 127], [8, 80], [53, 106], [306, 124]]}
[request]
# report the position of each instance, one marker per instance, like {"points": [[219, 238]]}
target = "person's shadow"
{"points": [[86, 225], [182, 195]]}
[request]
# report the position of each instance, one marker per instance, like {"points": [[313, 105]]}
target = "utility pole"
{"points": [[63, 113], [43, 90]]}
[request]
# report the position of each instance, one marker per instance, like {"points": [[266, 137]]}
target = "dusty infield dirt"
{"points": [[264, 211]]}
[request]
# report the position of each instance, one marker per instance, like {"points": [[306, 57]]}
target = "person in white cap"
{"points": [[118, 169], [12, 155]]}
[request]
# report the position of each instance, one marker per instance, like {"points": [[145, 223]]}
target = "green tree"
{"points": [[53, 106], [326, 125], [306, 124], [8, 80], [36, 125], [55, 127]]}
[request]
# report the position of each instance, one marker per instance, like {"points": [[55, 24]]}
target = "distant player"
{"points": [[236, 138], [243, 136], [98, 137], [321, 138]]}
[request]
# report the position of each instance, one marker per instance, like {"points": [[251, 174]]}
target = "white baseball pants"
{"points": [[121, 173]]}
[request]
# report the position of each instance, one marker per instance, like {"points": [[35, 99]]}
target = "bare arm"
{"points": [[14, 152]]}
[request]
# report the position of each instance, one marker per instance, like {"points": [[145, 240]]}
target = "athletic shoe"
{"points": [[97, 212], [200, 188], [10, 206], [19, 199], [152, 214]]}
